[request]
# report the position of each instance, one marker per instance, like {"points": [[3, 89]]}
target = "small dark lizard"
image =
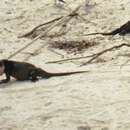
{"points": [[25, 71], [123, 30]]}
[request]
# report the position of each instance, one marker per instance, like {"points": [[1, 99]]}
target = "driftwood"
{"points": [[93, 56]]}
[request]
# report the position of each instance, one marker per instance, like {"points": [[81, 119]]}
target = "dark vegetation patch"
{"points": [[73, 46]]}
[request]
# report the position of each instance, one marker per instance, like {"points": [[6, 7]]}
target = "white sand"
{"points": [[99, 100]]}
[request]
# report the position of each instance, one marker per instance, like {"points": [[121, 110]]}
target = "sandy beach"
{"points": [[97, 100]]}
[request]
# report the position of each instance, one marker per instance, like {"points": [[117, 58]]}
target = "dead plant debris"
{"points": [[93, 57], [73, 46]]}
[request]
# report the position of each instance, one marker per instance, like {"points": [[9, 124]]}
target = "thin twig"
{"points": [[30, 43], [73, 13], [52, 50], [69, 59], [35, 39], [93, 56], [37, 51], [34, 29], [104, 51]]}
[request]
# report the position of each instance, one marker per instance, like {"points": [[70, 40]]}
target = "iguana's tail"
{"points": [[105, 34], [45, 74]]}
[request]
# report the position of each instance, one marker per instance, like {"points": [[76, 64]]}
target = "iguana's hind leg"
{"points": [[33, 76]]}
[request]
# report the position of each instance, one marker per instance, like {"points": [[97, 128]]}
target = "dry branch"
{"points": [[63, 22], [93, 56], [21, 49], [30, 43], [34, 29], [43, 34], [68, 59], [104, 51]]}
